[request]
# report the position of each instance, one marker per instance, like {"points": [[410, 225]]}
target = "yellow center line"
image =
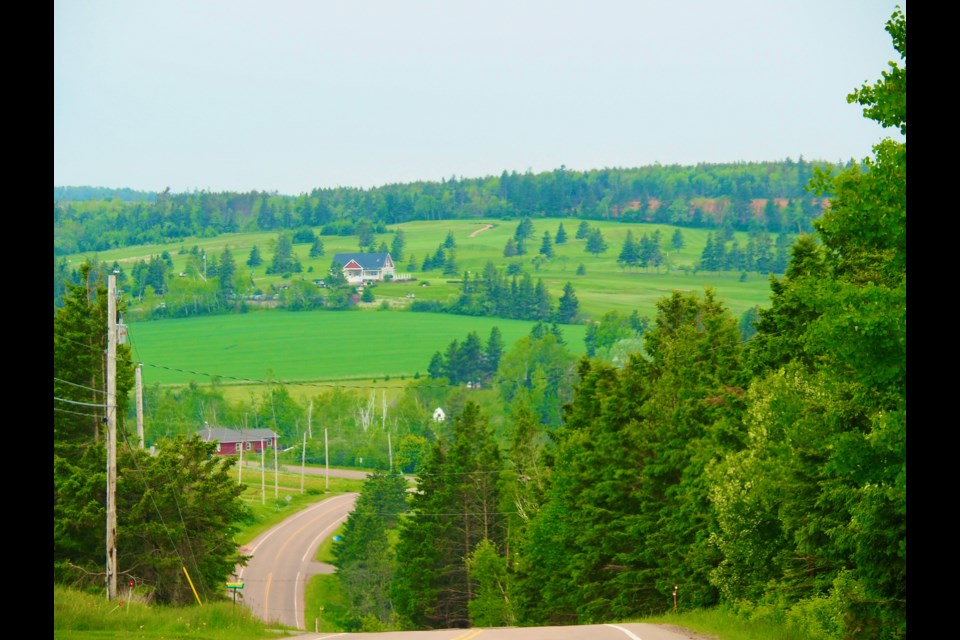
{"points": [[266, 597], [472, 633]]}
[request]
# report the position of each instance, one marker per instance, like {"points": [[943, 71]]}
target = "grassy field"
{"points": [[604, 286], [309, 346], [375, 345]]}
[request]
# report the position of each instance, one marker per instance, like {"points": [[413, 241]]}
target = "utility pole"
{"points": [[303, 460], [326, 460], [140, 403], [111, 437]]}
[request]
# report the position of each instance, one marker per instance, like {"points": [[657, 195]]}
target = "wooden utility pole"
{"points": [[140, 404], [303, 460], [326, 460], [111, 437]]}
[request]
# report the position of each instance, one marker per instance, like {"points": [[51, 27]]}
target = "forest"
{"points": [[766, 475], [744, 196]]}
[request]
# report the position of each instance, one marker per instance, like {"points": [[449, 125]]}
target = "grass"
{"points": [[724, 624], [273, 497], [83, 616], [309, 346]]}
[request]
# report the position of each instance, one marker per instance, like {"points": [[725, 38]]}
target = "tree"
{"points": [[546, 246], [629, 253], [827, 410], [398, 245], [227, 271], [449, 242], [364, 558], [178, 508], [524, 231], [456, 507], [583, 230], [561, 235], [595, 242], [510, 249], [254, 260], [284, 260], [316, 249], [676, 240], [569, 307]]}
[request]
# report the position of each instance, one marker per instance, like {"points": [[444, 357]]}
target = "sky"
{"points": [[288, 96]]}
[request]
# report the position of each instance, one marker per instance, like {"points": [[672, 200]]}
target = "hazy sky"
{"points": [[292, 95]]}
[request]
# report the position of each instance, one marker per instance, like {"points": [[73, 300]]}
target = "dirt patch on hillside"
{"points": [[481, 230]]}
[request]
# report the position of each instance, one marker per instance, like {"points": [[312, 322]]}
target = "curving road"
{"points": [[275, 578]]}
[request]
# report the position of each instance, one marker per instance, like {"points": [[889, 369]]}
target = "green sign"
{"points": [[234, 585]]}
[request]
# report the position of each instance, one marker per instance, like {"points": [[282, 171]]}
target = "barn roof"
{"points": [[223, 434]]}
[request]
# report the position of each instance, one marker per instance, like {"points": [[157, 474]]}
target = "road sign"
{"points": [[234, 585]]}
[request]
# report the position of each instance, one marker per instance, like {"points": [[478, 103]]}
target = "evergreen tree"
{"points": [[546, 246], [595, 242], [561, 235], [364, 558], [284, 260], [569, 307], [227, 271], [510, 249], [457, 506], [398, 245], [583, 230], [254, 260], [676, 240], [316, 249], [629, 253]]}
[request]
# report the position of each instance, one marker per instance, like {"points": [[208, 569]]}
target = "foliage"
{"points": [[364, 560], [812, 513], [455, 507]]}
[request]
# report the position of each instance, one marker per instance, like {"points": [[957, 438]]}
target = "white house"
{"points": [[366, 267]]}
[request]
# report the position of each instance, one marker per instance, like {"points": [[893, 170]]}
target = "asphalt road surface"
{"points": [[624, 631], [274, 580]]}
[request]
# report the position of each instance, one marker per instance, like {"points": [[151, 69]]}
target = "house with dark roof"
{"points": [[359, 268], [233, 441]]}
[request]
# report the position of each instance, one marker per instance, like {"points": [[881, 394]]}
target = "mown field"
{"points": [[309, 346]]}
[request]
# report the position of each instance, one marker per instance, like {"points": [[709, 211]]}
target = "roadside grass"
{"points": [[271, 498], [84, 616], [724, 624]]}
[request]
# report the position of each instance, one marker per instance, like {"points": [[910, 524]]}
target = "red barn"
{"points": [[232, 441]]}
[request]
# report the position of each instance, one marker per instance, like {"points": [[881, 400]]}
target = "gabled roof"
{"points": [[364, 260], [222, 434]]}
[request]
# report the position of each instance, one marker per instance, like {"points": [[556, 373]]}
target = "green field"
{"points": [[275, 345], [309, 346]]}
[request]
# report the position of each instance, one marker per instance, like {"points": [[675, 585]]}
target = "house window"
{"points": [[236, 447], [248, 445]]}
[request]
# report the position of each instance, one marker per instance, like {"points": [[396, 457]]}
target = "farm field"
{"points": [[309, 346]]}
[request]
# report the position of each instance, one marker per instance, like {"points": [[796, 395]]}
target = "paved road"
{"points": [[282, 563], [625, 631]]}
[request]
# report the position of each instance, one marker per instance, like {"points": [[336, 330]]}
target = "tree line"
{"points": [[744, 196]]}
